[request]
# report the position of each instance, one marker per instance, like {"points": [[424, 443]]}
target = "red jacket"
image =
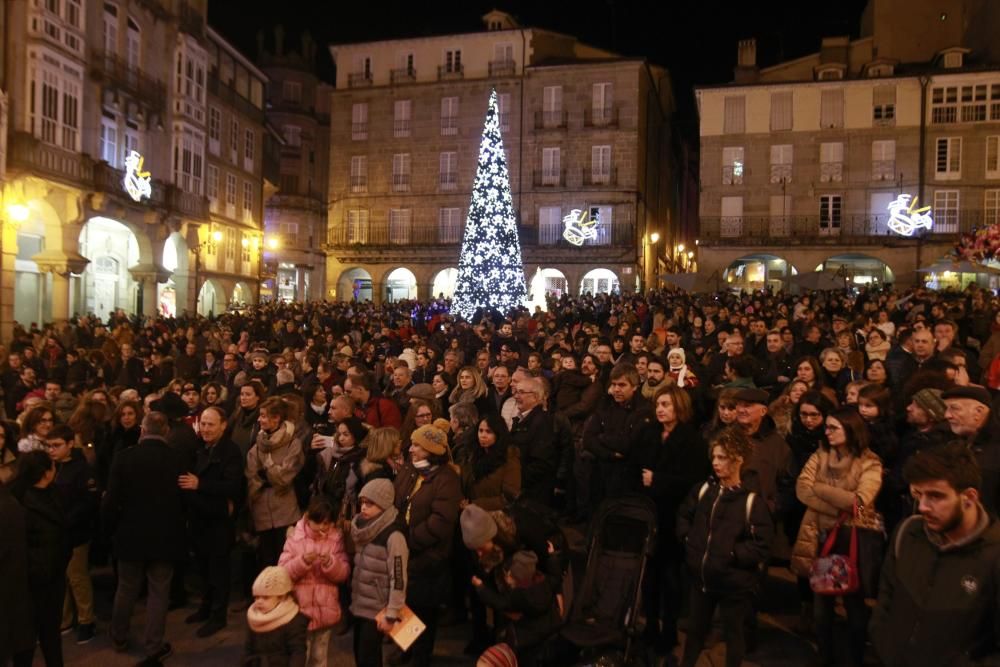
{"points": [[381, 411]]}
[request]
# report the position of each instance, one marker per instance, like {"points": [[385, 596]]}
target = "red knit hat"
{"points": [[499, 655]]}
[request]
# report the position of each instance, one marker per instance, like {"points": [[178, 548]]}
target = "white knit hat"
{"points": [[272, 581]]}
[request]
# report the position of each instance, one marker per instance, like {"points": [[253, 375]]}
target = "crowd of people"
{"points": [[337, 467]]}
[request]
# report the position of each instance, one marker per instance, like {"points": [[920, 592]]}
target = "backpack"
{"points": [[749, 509]]}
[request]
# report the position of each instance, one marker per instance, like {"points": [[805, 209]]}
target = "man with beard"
{"points": [[776, 364], [656, 370], [937, 602]]}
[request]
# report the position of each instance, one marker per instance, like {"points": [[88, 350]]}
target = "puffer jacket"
{"points": [[380, 562], [937, 601], [272, 465], [497, 489], [724, 551], [827, 487], [316, 584]]}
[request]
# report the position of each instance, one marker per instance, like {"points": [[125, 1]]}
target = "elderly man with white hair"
{"points": [[533, 433], [970, 415]]}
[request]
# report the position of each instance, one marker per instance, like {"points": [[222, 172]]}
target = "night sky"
{"points": [[695, 40]]}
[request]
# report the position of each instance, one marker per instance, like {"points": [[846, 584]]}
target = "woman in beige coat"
{"points": [[838, 476]]}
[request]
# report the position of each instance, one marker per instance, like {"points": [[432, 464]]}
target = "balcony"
{"points": [[549, 178], [451, 72], [883, 170], [591, 178], [385, 234], [191, 21], [550, 120], [359, 79], [359, 184], [27, 153], [114, 72], [616, 234], [502, 68], [449, 125], [401, 182], [763, 230], [831, 172], [403, 75], [401, 127], [601, 116], [359, 131], [228, 95], [448, 180], [781, 173], [732, 174], [163, 195]]}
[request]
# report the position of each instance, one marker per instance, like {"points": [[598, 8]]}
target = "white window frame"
{"points": [[781, 111], [552, 104], [948, 165], [189, 158], [734, 119], [453, 61], [231, 195], [234, 141], [400, 226], [109, 140], [402, 113], [359, 121], [214, 130], [831, 109], [832, 222], [212, 187], [731, 216], [291, 92], [831, 162], [884, 105], [358, 227], [550, 225], [993, 156], [944, 104], [991, 207], [781, 163], [600, 164], [448, 170], [449, 115], [946, 209], [449, 225], [401, 172], [249, 148], [292, 135], [551, 165], [884, 160], [359, 173], [733, 165], [133, 44], [602, 102], [503, 109], [54, 88], [248, 201]]}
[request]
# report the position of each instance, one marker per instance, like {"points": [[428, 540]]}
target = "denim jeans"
{"points": [[130, 575]]}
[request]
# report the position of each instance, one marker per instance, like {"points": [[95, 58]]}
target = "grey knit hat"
{"points": [[478, 527], [380, 492], [930, 401], [523, 566]]}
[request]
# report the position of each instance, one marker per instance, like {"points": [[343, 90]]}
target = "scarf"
{"points": [[459, 395], [319, 409], [280, 438], [364, 531], [878, 351], [281, 615]]}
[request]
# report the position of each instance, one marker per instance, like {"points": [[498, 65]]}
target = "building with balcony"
{"points": [[298, 106], [801, 161], [584, 129], [106, 197]]}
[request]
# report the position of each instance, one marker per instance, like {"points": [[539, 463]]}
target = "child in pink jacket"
{"points": [[315, 559]]}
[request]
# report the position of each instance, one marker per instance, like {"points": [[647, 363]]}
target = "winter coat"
{"points": [[538, 442], [771, 465], [340, 477], [16, 633], [316, 584], [221, 489], [243, 428], [381, 412], [48, 540], [281, 647], [532, 609], [271, 467], [567, 389], [827, 487], [380, 565], [611, 435], [937, 602], [76, 486], [497, 489], [431, 514], [724, 550], [143, 506]]}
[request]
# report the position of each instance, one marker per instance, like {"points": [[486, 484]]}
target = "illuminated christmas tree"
{"points": [[490, 273]]}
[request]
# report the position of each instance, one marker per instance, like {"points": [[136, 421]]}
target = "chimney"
{"points": [[746, 69]]}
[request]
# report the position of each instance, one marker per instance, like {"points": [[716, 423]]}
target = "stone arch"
{"points": [[355, 284], [600, 280], [106, 284], [543, 282], [172, 295], [758, 270], [242, 293], [399, 283], [444, 283], [860, 268], [212, 299]]}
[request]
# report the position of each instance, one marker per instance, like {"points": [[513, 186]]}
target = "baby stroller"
{"points": [[606, 609]]}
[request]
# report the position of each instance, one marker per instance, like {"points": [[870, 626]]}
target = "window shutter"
{"points": [[781, 111]]}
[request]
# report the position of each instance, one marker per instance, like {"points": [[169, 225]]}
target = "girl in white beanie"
{"points": [[277, 629]]}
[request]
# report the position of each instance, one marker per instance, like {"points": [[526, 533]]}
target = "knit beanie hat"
{"points": [[677, 351], [478, 527], [499, 655], [430, 439], [379, 491], [442, 425], [523, 566], [272, 581], [930, 401]]}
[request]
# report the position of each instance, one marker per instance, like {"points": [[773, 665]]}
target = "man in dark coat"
{"points": [[16, 634], [143, 509], [533, 433], [212, 492]]}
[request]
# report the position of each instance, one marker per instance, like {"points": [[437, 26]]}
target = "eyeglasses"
{"points": [[524, 392], [424, 415]]}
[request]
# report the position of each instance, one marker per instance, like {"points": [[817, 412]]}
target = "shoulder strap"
{"points": [[750, 498], [702, 491], [899, 534]]}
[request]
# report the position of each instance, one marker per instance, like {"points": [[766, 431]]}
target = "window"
{"points": [[448, 166], [401, 118], [110, 30], [993, 156], [601, 103], [945, 211], [234, 141], [134, 46], [401, 172], [404, 62], [230, 241], [131, 138], [781, 163], [288, 183], [249, 148], [884, 105], [731, 222], [991, 207], [189, 80], [603, 216], [995, 101], [780, 209], [734, 118], [944, 104], [55, 87], [830, 214], [248, 201], [449, 115], [359, 173], [600, 164], [291, 92], [948, 163], [550, 225], [359, 121], [453, 61], [781, 111], [884, 160], [831, 162], [109, 139], [503, 108], [189, 156], [230, 195], [399, 226], [449, 225], [974, 103], [503, 53], [357, 225], [289, 234], [212, 187], [552, 106], [244, 247], [732, 165], [831, 112], [293, 135], [214, 130], [550, 166]]}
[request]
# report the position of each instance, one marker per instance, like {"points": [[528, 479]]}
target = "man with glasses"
{"points": [[533, 433]]}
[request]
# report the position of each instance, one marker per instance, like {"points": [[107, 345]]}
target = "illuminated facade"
{"points": [[582, 128], [802, 162]]}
